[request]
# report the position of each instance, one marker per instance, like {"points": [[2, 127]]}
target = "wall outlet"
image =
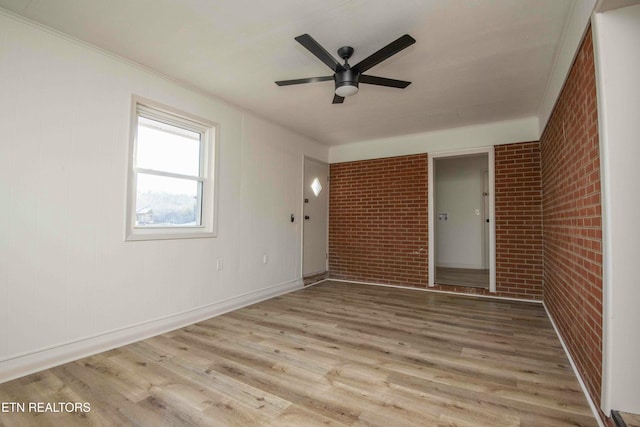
{"points": [[265, 258], [219, 264]]}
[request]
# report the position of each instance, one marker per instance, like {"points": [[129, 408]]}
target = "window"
{"points": [[316, 187], [171, 176]]}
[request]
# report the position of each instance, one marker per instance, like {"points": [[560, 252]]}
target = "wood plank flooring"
{"points": [[631, 420], [333, 354], [462, 277]]}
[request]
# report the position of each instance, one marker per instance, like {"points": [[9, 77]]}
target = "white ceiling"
{"points": [[475, 61]]}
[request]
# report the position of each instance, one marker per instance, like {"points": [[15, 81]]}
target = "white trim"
{"points": [[317, 283], [492, 210], [300, 220], [19, 365], [592, 405], [607, 271], [411, 288]]}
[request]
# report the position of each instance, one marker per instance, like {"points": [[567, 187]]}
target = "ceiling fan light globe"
{"points": [[346, 90]]}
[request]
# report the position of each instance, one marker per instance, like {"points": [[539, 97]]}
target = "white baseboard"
{"points": [[19, 365], [317, 283], [592, 405]]}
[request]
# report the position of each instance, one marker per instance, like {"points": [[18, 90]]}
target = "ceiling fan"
{"points": [[345, 76]]}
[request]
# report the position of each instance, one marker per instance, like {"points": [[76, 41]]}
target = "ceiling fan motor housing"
{"points": [[346, 78]]}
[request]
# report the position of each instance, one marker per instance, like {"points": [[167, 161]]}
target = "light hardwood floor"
{"points": [[332, 354], [462, 277], [631, 420]]}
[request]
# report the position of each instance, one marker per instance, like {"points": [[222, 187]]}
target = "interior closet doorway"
{"points": [[461, 230]]}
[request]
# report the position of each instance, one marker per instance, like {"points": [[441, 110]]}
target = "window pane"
{"points": [[316, 187], [167, 148], [167, 202]]}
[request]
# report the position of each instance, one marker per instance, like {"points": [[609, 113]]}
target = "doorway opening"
{"points": [[461, 231]]}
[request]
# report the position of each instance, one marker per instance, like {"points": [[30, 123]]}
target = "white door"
{"points": [[315, 217]]}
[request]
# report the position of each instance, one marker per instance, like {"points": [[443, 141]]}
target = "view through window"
{"points": [[168, 175]]}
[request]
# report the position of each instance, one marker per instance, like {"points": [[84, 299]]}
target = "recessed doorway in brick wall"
{"points": [[461, 230]]}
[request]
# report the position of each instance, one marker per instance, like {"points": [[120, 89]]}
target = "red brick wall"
{"points": [[572, 219], [378, 220], [518, 220]]}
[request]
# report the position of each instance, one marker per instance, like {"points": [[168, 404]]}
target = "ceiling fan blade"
{"points": [[300, 81], [314, 47], [384, 53], [382, 81], [337, 99]]}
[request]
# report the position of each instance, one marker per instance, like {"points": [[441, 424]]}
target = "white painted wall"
{"points": [[616, 40], [463, 138], [459, 186], [69, 283]]}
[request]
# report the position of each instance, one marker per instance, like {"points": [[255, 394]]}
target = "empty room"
{"points": [[305, 213]]}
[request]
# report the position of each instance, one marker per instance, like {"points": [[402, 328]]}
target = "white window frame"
{"points": [[208, 166]]}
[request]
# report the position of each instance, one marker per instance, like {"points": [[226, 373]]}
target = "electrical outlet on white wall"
{"points": [[219, 264], [265, 258]]}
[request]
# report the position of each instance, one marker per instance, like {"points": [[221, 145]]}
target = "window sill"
{"points": [[168, 234]]}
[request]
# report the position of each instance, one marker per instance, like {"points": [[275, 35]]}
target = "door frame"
{"points": [[485, 216], [301, 216], [492, 211]]}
